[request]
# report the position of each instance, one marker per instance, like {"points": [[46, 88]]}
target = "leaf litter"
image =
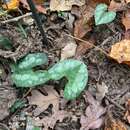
{"points": [[106, 76]]}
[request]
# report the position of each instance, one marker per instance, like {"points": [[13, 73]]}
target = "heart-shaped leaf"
{"points": [[75, 71], [102, 16]]}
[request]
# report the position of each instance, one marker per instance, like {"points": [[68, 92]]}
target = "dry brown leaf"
{"points": [[121, 52], [126, 20], [50, 121], [83, 25], [64, 5], [116, 6], [42, 101], [102, 89], [69, 50], [93, 117]]}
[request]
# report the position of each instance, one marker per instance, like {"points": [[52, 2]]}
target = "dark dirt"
{"points": [[101, 68]]}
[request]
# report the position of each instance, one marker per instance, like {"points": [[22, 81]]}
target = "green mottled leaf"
{"points": [[32, 60], [29, 78], [102, 16], [76, 73], [5, 42], [18, 104]]}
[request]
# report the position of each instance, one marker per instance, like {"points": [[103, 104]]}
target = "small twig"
{"points": [[116, 104], [91, 44], [16, 18], [26, 94]]}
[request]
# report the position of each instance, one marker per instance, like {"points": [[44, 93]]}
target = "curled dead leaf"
{"points": [[121, 52]]}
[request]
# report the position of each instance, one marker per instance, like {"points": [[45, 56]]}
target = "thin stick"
{"points": [[16, 18], [38, 20], [91, 44]]}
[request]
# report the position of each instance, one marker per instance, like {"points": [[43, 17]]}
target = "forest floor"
{"points": [[108, 87]]}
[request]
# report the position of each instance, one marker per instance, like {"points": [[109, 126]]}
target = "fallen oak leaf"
{"points": [[121, 52], [50, 121], [93, 117], [43, 101]]}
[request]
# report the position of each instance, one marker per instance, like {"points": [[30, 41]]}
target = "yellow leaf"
{"points": [[11, 4], [121, 52]]}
